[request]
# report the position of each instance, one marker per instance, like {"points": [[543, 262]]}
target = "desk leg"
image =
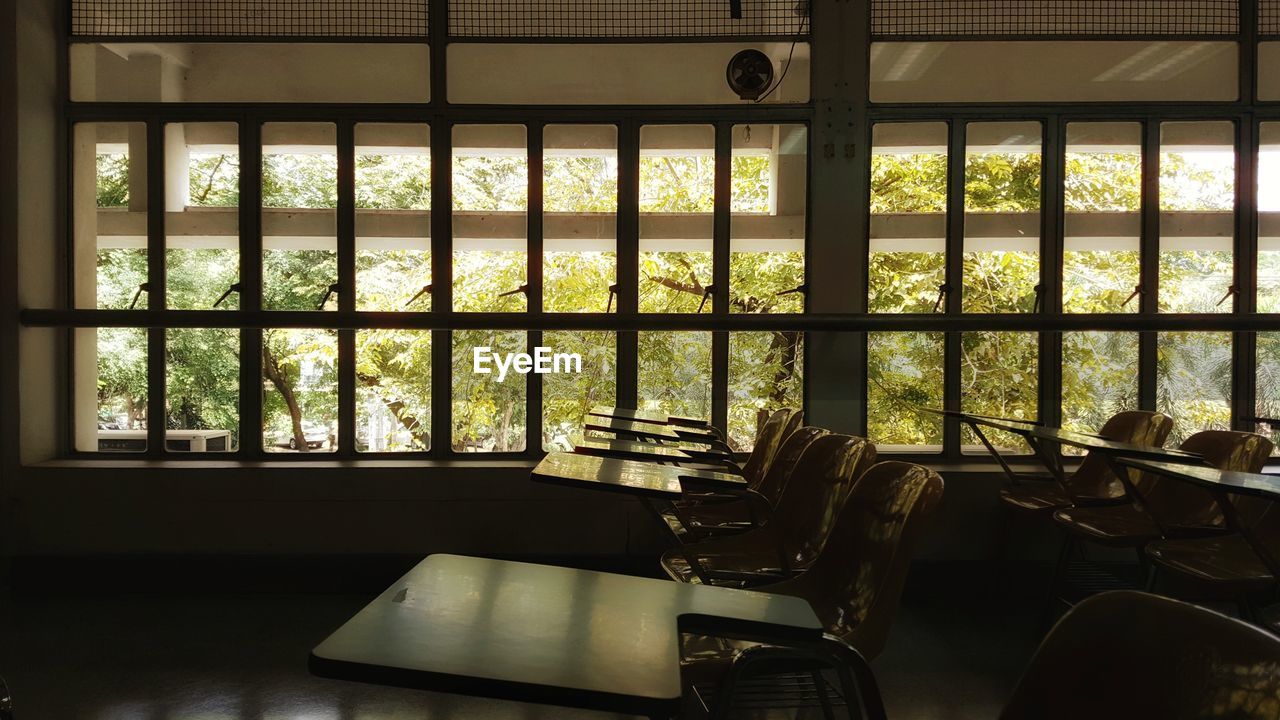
{"points": [[1004, 465], [675, 543]]}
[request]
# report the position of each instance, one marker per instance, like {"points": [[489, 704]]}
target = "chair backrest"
{"points": [[1174, 502], [780, 424], [856, 581], [784, 462], [816, 492], [1094, 477], [1124, 655]]}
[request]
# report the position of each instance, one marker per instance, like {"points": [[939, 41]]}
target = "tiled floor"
{"points": [[243, 657]]}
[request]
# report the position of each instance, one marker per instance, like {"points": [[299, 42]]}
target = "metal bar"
{"points": [[533, 381], [1052, 230], [814, 322], [952, 397], [720, 275], [156, 295], [438, 31], [346, 222], [431, 112], [1244, 359], [441, 286], [628, 278], [1149, 265], [251, 341]]}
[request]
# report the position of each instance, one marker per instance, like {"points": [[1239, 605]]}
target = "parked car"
{"points": [[315, 434]]}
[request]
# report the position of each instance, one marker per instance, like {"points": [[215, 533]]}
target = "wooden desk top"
{"points": [[632, 450], [634, 428], [631, 477], [1231, 481], [537, 633]]}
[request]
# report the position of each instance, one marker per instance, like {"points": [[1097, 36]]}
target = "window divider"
{"points": [[534, 279], [720, 252], [346, 226], [628, 254], [441, 285], [1052, 231], [1149, 263], [1244, 359], [156, 413], [251, 287], [954, 281]]}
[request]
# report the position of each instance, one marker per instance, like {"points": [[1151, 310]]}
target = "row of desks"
{"points": [[576, 638]]}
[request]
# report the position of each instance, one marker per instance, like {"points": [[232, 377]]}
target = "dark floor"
{"points": [[952, 656]]}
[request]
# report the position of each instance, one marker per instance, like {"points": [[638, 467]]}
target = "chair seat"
{"points": [[1225, 561], [737, 557], [706, 658], [703, 519], [1120, 526], [1044, 497]]}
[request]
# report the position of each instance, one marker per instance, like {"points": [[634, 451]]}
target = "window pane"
{"points": [[567, 397], [904, 374], [580, 217], [1103, 202], [998, 376], [1053, 71], [1268, 383], [490, 202], [393, 390], [769, 198], [299, 221], [110, 214], [908, 216], [202, 367], [272, 72], [1197, 217], [393, 222], [202, 219], [677, 199], [1269, 217], [766, 373], [1099, 377], [675, 373], [300, 390], [1193, 382], [111, 389], [488, 412], [1002, 217]]}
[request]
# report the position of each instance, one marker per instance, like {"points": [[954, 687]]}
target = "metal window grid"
{"points": [[220, 19], [1269, 18], [624, 19], [959, 19]]}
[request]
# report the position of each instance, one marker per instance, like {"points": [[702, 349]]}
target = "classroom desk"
{"points": [[630, 477], [1039, 438], [647, 416], [652, 452], [537, 633], [632, 428]]}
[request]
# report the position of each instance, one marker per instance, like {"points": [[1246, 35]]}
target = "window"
{"points": [[677, 197], [1269, 217], [1002, 217], [1193, 382], [998, 376], [1099, 377], [1103, 201], [904, 375], [1197, 216], [299, 220]]}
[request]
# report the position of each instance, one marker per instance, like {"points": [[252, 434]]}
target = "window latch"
{"points": [[943, 289], [235, 288], [333, 289], [1231, 290], [802, 289], [142, 288], [706, 295], [613, 292], [522, 289], [425, 289], [1137, 290], [1039, 302]]}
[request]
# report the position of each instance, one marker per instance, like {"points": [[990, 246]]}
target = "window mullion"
{"points": [[1149, 277], [441, 283], [1244, 344], [954, 281], [628, 258], [721, 224], [251, 286], [156, 413], [1052, 226], [534, 255], [346, 226]]}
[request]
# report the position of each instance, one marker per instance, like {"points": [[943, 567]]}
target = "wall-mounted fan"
{"points": [[750, 73]]}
